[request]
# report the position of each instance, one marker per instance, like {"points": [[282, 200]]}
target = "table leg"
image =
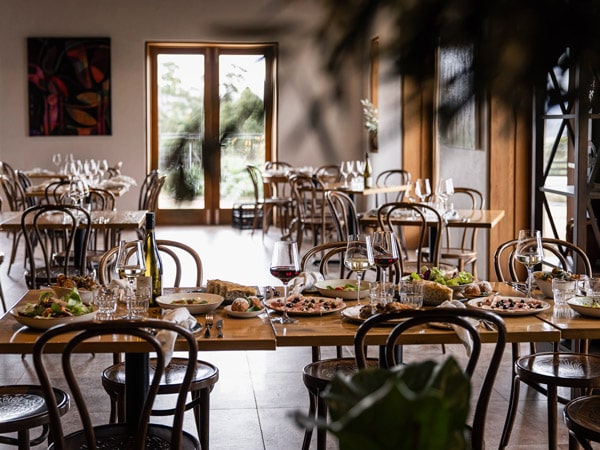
{"points": [[136, 385]]}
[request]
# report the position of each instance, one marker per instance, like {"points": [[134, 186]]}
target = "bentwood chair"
{"points": [[388, 178], [177, 258], [149, 193], [139, 435], [583, 421], [16, 200], [265, 205], [343, 211], [318, 375]]}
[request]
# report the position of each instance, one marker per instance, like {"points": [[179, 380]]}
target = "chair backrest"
{"points": [[14, 194], [101, 200], [74, 224], [25, 183], [257, 182], [309, 195], [557, 253], [143, 330], [145, 189], [56, 192], [466, 319], [344, 214], [276, 165], [175, 257], [423, 217], [154, 193], [391, 177], [329, 173]]}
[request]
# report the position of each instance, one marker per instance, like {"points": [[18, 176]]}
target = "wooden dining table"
{"points": [[465, 218]]}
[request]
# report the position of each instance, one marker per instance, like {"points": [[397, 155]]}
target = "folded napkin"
{"points": [[180, 316], [306, 280], [462, 334]]}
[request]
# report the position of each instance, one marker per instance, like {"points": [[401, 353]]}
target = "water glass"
{"points": [[592, 287], [563, 290], [138, 304], [106, 301], [412, 294]]}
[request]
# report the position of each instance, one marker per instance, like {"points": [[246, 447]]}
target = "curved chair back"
{"points": [[62, 234], [257, 183], [175, 257], [103, 437], [466, 319], [389, 178], [344, 214], [276, 165], [558, 253]]}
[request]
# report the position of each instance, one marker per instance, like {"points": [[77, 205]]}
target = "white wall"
{"points": [[132, 23]]}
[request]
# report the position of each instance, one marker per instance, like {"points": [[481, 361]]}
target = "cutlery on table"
{"points": [[219, 326], [209, 322]]}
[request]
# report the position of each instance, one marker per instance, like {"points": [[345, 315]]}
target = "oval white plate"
{"points": [[213, 301], [44, 324], [322, 287], [242, 314], [583, 305], [477, 303]]}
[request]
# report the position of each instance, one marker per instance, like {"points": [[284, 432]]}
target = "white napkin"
{"points": [[462, 334], [306, 280], [180, 316]]}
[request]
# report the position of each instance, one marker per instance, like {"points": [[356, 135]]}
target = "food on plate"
{"points": [[300, 303], [510, 303], [348, 287], [50, 306], [440, 276], [478, 289], [80, 282], [367, 311], [229, 290], [246, 304], [556, 273], [189, 301], [434, 293]]}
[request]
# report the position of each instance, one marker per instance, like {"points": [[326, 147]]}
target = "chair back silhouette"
{"points": [[343, 211], [467, 320], [56, 193], [25, 182], [422, 217], [16, 200], [557, 253], [62, 252], [137, 435], [150, 190], [391, 177], [177, 259]]}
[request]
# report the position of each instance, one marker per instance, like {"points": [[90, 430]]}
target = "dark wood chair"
{"points": [[583, 421], [265, 205], [141, 434], [317, 375]]}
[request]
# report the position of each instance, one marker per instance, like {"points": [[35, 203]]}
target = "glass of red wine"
{"points": [[385, 250], [285, 265]]}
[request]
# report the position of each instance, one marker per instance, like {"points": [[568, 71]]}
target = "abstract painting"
{"points": [[69, 86]]}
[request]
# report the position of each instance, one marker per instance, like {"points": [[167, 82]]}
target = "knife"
{"points": [[219, 326]]}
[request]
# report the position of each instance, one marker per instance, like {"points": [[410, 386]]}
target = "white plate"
{"points": [[213, 301], [275, 305], [583, 305], [478, 304], [322, 287], [44, 324], [242, 314]]}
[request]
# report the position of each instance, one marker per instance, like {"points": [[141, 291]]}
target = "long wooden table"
{"points": [[467, 218]]}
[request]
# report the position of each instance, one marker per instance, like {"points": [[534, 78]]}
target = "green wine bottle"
{"points": [[153, 262]]}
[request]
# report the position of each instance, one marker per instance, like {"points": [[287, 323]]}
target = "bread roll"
{"points": [[434, 293]]}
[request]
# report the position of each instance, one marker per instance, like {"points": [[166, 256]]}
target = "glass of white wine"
{"points": [[529, 252], [359, 257], [130, 265]]}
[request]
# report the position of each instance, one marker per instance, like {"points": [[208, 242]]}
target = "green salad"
{"points": [[440, 276], [49, 306]]}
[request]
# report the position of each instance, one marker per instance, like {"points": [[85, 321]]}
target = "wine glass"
{"points": [[346, 170], [285, 265], [422, 189], [78, 190], [359, 257], [529, 252], [56, 160], [357, 172], [444, 190], [130, 265], [385, 249]]}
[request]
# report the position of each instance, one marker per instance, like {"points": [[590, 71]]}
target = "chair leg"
{"points": [[203, 422], [512, 411], [312, 410], [322, 414], [552, 405]]}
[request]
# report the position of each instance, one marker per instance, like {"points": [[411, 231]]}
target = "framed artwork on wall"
{"points": [[69, 86]]}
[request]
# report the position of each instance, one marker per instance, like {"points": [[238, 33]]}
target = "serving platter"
{"points": [[43, 323], [308, 306], [586, 306], [242, 314], [206, 302], [509, 306], [325, 288]]}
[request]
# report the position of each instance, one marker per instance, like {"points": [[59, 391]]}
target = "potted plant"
{"points": [[422, 406]]}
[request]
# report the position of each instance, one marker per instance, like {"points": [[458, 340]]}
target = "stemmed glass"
{"points": [[529, 252], [130, 265], [385, 249], [285, 265], [346, 170], [359, 257], [78, 190], [422, 189], [357, 172], [444, 190], [56, 160]]}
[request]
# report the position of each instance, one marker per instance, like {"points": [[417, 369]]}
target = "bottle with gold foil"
{"points": [[154, 267], [367, 174]]}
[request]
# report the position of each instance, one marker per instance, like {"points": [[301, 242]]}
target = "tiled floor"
{"points": [[258, 390]]}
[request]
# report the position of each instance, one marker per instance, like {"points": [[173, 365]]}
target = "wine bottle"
{"points": [[153, 262], [367, 174]]}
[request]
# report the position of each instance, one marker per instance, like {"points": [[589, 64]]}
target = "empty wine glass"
{"points": [[78, 190], [130, 265], [359, 257], [444, 190], [422, 189], [385, 249], [529, 252], [346, 170], [56, 160], [285, 265], [357, 172]]}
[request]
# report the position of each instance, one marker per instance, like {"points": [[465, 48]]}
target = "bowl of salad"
{"points": [[544, 279], [53, 310], [457, 281], [343, 288]]}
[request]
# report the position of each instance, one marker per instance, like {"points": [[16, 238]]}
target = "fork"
{"points": [[209, 322]]}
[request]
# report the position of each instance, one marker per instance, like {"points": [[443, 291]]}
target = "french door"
{"points": [[211, 113]]}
